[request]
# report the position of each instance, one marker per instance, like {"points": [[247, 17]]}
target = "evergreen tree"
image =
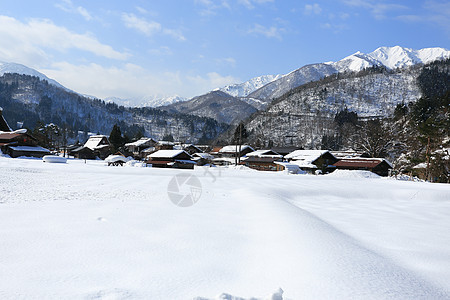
{"points": [[115, 138]]}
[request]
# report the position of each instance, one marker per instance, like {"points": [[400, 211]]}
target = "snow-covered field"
{"points": [[88, 231]]}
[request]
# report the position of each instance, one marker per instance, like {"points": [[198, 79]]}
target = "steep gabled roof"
{"points": [[97, 141], [232, 148], [167, 153], [264, 153]]}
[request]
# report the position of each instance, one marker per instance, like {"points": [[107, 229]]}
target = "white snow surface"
{"points": [[85, 231]]}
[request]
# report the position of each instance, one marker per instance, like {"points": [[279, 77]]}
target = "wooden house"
{"points": [[189, 148], [264, 153], [235, 150], [164, 145], [285, 150], [96, 146], [262, 163], [20, 143], [378, 166], [136, 148], [171, 159], [313, 160], [202, 158]]}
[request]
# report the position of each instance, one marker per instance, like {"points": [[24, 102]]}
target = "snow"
{"points": [[54, 159], [29, 148], [86, 231], [353, 174], [94, 141], [116, 158], [166, 153], [234, 148], [140, 142]]}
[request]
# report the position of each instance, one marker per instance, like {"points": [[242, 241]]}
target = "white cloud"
{"points": [[140, 24], [210, 7], [68, 6], [377, 8], [149, 28], [313, 9], [269, 32], [433, 12], [228, 61], [250, 4], [32, 42], [133, 81], [209, 82]]}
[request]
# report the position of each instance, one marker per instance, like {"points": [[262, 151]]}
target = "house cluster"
{"points": [[19, 142], [164, 154]]}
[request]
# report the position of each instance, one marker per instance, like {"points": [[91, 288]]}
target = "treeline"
{"points": [[35, 103]]}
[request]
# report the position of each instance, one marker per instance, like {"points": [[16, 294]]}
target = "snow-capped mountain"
{"points": [[21, 69], [245, 88], [389, 57], [147, 101]]}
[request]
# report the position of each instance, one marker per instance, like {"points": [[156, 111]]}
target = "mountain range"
{"points": [[258, 95], [391, 79]]}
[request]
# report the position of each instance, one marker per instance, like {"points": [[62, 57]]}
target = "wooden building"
{"points": [[262, 163], [171, 159], [313, 160], [378, 166], [17, 144], [96, 146], [136, 148]]}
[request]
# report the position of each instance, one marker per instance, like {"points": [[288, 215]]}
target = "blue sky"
{"points": [[136, 48]]}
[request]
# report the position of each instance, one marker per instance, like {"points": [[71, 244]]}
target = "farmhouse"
{"points": [[264, 153], [189, 148], [233, 150], [140, 145], [313, 160], [96, 146], [171, 159], [261, 163], [378, 166], [18, 143]]}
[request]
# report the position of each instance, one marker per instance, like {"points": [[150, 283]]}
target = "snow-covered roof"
{"points": [[166, 143], [362, 162], [310, 155], [29, 149], [204, 155], [140, 142], [167, 153], [264, 153], [94, 141], [290, 167], [232, 148]]}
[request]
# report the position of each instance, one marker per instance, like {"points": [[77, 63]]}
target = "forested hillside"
{"points": [[34, 102]]}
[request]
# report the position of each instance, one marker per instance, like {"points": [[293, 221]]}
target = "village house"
{"points": [[136, 148], [235, 150], [171, 159], [18, 143], [96, 146], [262, 160], [202, 158], [285, 150], [189, 148], [313, 160], [378, 166]]}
